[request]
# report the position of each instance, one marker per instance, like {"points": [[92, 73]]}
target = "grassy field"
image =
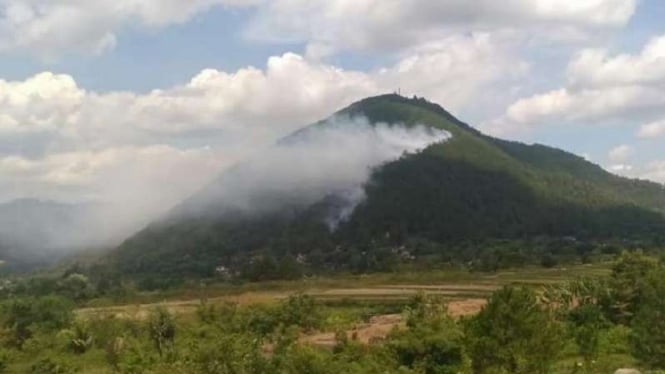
{"points": [[380, 288]]}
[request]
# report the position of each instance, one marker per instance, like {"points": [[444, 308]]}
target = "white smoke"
{"points": [[330, 162], [334, 158]]}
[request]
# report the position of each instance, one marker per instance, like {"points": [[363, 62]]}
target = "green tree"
{"points": [[76, 286], [300, 310], [648, 326], [432, 342], [627, 284], [25, 315], [513, 334], [587, 324]]}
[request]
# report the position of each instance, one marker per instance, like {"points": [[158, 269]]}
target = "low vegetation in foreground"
{"points": [[594, 324]]}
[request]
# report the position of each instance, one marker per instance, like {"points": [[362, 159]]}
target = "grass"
{"points": [[373, 289]]}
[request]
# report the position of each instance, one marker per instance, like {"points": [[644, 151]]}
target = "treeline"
{"points": [[585, 326]]}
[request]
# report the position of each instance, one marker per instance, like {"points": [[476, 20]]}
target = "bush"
{"points": [[161, 329], [50, 366], [300, 310], [25, 315], [78, 338]]}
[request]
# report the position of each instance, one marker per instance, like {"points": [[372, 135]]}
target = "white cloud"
{"points": [[595, 68], [620, 153], [40, 103], [654, 171], [133, 184], [81, 132], [621, 168], [600, 88], [140, 179], [331, 25], [250, 103], [652, 130], [50, 27]]}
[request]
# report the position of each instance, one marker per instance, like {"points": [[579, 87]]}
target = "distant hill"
{"points": [[438, 203]]}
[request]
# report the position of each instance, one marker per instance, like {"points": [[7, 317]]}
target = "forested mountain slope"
{"points": [[471, 188]]}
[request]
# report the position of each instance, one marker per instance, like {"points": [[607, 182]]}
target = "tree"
{"points": [[627, 284], [25, 315], [76, 286], [513, 334], [432, 342], [648, 326], [587, 322], [300, 310]]}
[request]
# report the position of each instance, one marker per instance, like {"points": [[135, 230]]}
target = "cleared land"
{"points": [[465, 294], [458, 287]]}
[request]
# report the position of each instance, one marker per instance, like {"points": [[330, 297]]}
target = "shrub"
{"points": [[161, 329]]}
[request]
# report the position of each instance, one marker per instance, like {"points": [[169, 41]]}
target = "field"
{"points": [[384, 288], [321, 322], [369, 303]]}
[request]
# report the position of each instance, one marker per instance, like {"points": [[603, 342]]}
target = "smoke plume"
{"points": [[331, 159]]}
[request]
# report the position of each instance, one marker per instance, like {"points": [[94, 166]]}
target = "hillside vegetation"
{"points": [[473, 199]]}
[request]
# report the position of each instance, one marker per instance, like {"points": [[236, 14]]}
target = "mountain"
{"points": [[446, 203]]}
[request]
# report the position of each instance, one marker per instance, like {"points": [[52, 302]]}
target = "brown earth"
{"points": [[380, 326]]}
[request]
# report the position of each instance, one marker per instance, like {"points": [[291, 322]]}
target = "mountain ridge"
{"points": [[471, 188]]}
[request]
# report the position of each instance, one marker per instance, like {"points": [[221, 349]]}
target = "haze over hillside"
{"points": [[468, 188]]}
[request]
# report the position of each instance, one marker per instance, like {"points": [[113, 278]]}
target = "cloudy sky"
{"points": [[100, 99]]}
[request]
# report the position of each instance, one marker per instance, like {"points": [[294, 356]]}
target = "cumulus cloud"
{"points": [[50, 27], [332, 25], [289, 93], [250, 103], [600, 88]]}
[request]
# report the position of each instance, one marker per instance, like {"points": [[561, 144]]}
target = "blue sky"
{"points": [[144, 90]]}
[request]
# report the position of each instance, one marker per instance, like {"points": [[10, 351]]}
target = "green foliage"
{"points": [[627, 283], [513, 334], [423, 309], [521, 330], [23, 316], [587, 325], [78, 337], [76, 287], [162, 330], [300, 310], [433, 342], [113, 352], [50, 366], [460, 197], [648, 337]]}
